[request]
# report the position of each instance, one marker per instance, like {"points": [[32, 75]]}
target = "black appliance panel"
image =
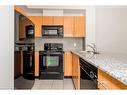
{"points": [[30, 31], [52, 31], [53, 47], [51, 61], [28, 65], [88, 77]]}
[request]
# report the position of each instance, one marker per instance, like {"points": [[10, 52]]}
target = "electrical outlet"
{"points": [[74, 44]]}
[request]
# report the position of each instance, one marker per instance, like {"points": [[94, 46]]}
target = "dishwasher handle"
{"points": [[92, 75]]}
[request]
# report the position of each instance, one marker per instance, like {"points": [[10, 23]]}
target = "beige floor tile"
{"points": [[35, 87], [45, 82], [58, 82], [65, 84], [57, 87], [68, 84], [45, 87], [69, 88]]}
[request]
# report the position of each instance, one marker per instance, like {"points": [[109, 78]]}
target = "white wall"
{"points": [[52, 12], [90, 24], [6, 47], [111, 29], [16, 28]]}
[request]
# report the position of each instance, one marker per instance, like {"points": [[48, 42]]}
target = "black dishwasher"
{"points": [[28, 65], [88, 75]]}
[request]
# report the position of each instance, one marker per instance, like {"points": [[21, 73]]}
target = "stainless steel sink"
{"points": [[84, 52]]}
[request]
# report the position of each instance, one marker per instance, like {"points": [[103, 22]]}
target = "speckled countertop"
{"points": [[113, 64]]}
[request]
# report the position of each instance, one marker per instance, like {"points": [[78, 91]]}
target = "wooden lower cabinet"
{"points": [[106, 82], [67, 63], [76, 71], [36, 63], [17, 63]]}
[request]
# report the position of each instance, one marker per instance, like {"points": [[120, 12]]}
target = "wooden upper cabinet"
{"points": [[67, 63], [23, 22], [47, 20], [37, 20], [58, 20], [68, 26], [80, 26], [21, 29], [74, 26], [52, 20]]}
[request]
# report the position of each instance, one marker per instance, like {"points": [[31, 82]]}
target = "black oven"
{"points": [[51, 63], [52, 31], [88, 75]]}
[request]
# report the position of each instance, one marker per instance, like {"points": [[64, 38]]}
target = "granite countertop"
{"points": [[113, 64]]}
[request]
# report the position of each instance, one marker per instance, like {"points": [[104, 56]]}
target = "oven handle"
{"points": [[50, 54]]}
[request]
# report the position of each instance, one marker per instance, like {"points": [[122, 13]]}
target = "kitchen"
{"points": [[79, 59]]}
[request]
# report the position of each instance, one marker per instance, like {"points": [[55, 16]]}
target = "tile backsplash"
{"points": [[68, 43]]}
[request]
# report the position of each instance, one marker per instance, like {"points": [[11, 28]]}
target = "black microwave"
{"points": [[29, 31], [52, 31]]}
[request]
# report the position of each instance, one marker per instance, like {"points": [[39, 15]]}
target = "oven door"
{"points": [[51, 64]]}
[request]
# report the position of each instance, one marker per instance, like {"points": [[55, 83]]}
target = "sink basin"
{"points": [[84, 52], [96, 53]]}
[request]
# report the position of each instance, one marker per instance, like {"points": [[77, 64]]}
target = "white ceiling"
{"points": [[51, 10], [56, 7]]}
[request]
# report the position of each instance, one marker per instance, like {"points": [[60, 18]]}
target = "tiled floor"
{"points": [[21, 83], [66, 84]]}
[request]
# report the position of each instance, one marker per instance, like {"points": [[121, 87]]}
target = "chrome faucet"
{"points": [[93, 46]]}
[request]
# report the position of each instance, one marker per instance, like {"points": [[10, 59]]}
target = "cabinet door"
{"points": [[47, 20], [22, 24], [58, 20], [67, 64], [76, 71], [68, 26], [36, 63], [17, 64], [109, 82], [79, 26], [73, 70], [37, 20]]}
